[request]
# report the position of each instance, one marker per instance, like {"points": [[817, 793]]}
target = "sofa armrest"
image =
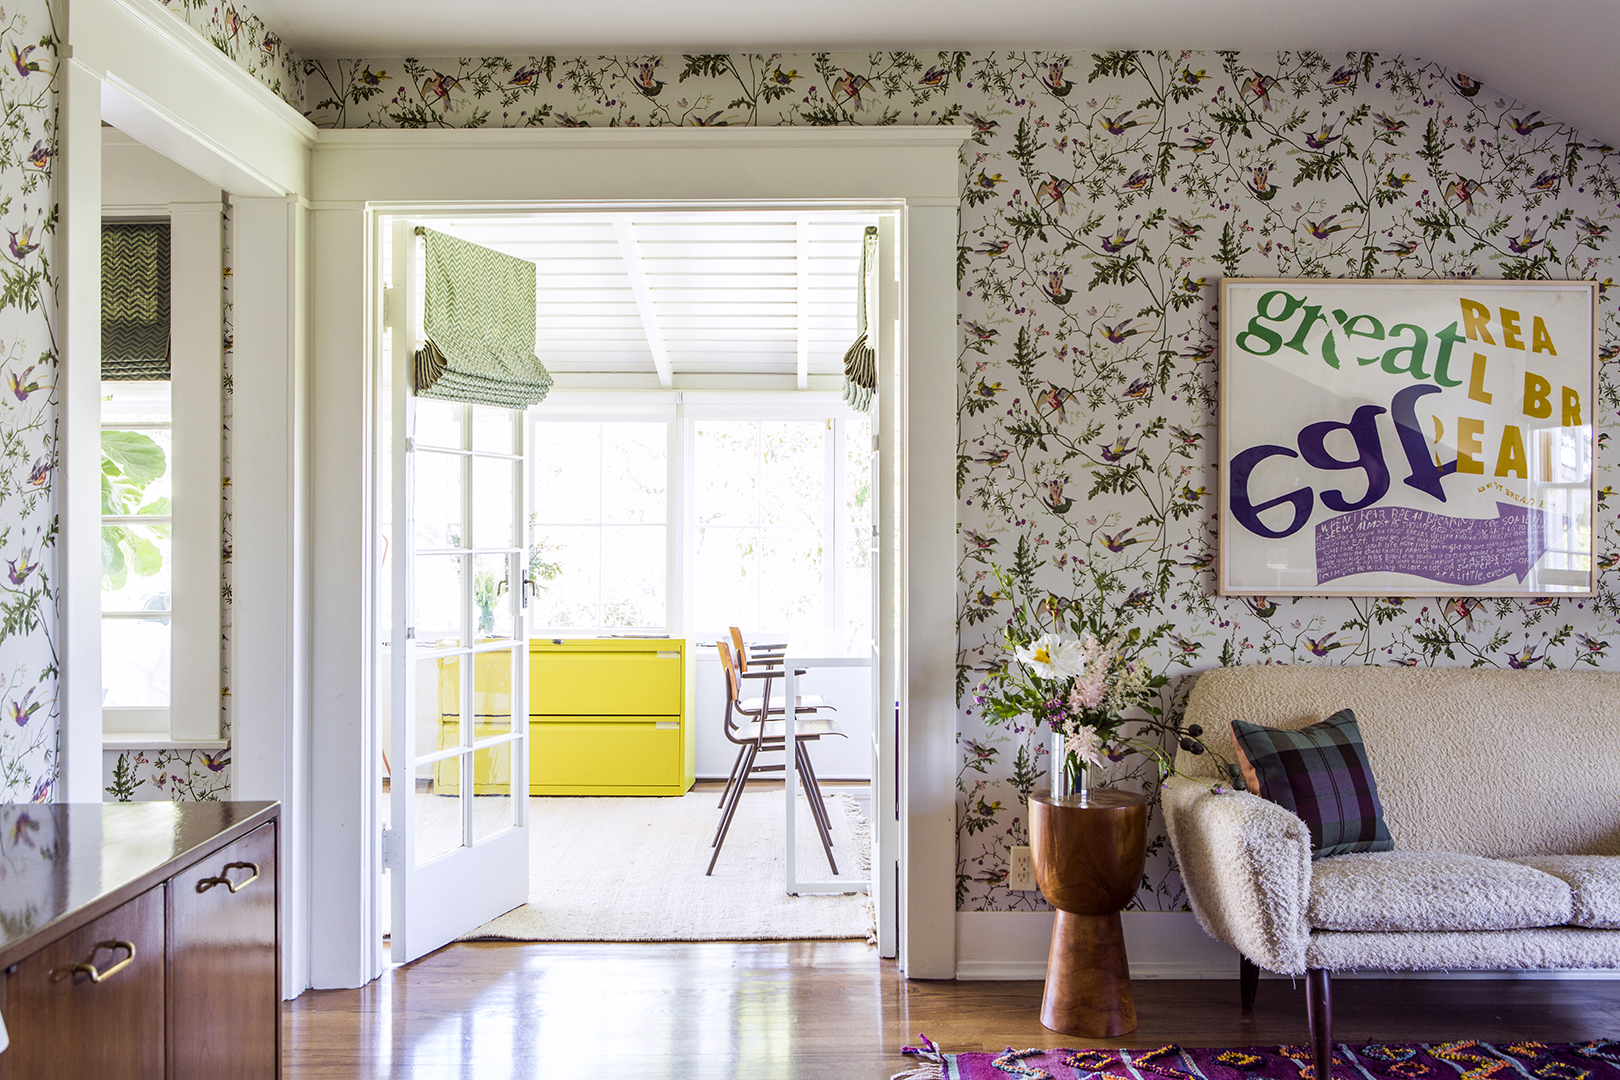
{"points": [[1246, 864]]}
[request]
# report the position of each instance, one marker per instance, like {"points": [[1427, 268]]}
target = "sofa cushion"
{"points": [[1593, 879], [1433, 891], [1321, 773]]}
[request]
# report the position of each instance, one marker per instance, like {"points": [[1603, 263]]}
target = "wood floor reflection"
{"points": [[806, 1010]]}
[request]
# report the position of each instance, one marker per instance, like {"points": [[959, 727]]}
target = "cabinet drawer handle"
{"points": [[235, 886], [89, 967]]}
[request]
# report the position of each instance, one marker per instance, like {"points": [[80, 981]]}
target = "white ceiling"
{"points": [[1551, 53], [687, 301]]}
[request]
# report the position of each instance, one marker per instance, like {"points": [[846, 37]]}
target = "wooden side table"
{"points": [[1088, 863]]}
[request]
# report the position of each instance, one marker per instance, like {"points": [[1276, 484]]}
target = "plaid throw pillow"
{"points": [[1321, 773]]}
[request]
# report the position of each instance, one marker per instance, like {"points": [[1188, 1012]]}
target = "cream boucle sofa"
{"points": [[1501, 790]]}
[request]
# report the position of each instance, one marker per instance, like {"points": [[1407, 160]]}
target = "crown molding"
{"points": [[226, 75], [622, 138]]}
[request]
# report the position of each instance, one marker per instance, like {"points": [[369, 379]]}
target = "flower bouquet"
{"points": [[1081, 685]]}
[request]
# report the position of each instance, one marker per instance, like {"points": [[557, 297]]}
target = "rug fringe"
{"points": [[863, 837], [930, 1061], [930, 1071]]}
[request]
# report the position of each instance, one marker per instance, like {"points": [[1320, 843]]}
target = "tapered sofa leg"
{"points": [[1319, 1013], [1249, 982]]}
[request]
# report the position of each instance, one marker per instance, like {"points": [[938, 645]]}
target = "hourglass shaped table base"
{"points": [[1088, 863]]}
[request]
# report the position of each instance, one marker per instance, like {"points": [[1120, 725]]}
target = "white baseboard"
{"points": [[1161, 945]]}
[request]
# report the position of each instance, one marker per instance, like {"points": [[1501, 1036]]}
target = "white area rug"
{"points": [[631, 869]]}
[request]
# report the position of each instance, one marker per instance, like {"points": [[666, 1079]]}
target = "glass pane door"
{"points": [[459, 852]]}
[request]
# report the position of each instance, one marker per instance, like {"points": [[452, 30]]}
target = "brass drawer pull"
{"points": [[235, 886], [89, 967]]}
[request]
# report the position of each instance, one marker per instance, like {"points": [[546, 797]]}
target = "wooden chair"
{"points": [[749, 726], [769, 657]]}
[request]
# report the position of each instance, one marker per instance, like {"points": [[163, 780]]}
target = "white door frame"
{"points": [[135, 64], [360, 173]]}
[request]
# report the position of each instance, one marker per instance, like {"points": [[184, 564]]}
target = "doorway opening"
{"points": [[164, 412], [578, 587]]}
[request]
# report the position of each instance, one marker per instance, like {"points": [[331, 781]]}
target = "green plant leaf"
{"points": [[112, 492], [161, 507], [136, 456], [148, 559], [113, 568]]}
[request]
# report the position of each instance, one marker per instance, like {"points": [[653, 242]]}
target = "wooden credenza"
{"points": [[140, 941]]}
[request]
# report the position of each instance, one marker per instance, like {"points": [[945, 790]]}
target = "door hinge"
{"points": [[410, 633], [391, 305], [390, 848]]}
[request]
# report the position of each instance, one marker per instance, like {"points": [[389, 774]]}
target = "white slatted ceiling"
{"points": [[724, 289]]}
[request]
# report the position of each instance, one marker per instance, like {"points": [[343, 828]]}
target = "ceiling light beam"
{"points": [[802, 234], [631, 253]]}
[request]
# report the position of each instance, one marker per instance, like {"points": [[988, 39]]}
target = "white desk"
{"points": [[809, 653]]}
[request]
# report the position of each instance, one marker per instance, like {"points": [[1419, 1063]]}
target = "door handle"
{"points": [[89, 967], [223, 879]]}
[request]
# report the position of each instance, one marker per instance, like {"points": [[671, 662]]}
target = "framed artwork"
{"points": [[1407, 437]]}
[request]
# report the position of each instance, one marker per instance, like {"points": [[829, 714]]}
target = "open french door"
{"points": [[458, 842], [883, 332]]}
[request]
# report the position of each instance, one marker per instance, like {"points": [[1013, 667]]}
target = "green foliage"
{"points": [[130, 463], [125, 781]]}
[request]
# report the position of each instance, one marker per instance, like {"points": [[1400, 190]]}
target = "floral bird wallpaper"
{"points": [[1103, 197], [248, 42], [29, 583]]}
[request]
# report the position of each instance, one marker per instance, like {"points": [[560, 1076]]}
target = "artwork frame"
{"points": [[1436, 423]]}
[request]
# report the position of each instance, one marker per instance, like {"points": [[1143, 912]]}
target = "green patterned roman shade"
{"points": [[135, 301], [478, 316]]}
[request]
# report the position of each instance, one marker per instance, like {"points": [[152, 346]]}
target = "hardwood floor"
{"points": [[807, 1010]]}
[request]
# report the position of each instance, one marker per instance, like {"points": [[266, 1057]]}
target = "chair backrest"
{"points": [[742, 649], [733, 691]]}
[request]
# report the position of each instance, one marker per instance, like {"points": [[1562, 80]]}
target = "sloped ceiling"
{"points": [[1555, 54]]}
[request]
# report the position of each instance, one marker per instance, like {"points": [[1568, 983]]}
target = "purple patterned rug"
{"points": [[1462, 1060]]}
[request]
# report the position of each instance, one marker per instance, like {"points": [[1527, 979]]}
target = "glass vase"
{"points": [[1071, 778]]}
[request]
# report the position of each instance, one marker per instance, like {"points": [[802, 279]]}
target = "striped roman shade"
{"points": [[860, 362], [135, 300]]}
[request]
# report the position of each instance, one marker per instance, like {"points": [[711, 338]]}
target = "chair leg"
{"points": [[1319, 1013], [725, 819], [814, 793], [819, 801], [1249, 981], [742, 752], [734, 795]]}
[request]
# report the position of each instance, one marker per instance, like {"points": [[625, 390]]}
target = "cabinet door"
{"points": [[224, 1001], [107, 1024]]}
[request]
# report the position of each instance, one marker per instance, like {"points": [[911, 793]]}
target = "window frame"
{"points": [[682, 410], [195, 714]]}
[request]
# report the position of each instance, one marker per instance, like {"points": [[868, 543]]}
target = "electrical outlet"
{"points": [[1020, 870]]}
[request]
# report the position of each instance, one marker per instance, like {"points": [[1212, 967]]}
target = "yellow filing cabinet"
{"points": [[492, 715], [610, 716]]}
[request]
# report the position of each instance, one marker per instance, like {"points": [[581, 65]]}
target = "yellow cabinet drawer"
{"points": [[625, 758], [492, 767], [605, 683]]}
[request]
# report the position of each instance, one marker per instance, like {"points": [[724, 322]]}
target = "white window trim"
{"points": [[681, 410], [196, 319]]}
